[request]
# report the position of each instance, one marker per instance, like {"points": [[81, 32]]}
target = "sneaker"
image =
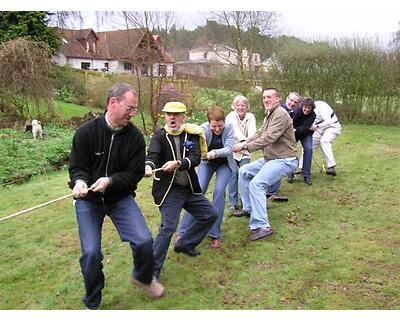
{"points": [[155, 289], [331, 171], [307, 180], [290, 178]]}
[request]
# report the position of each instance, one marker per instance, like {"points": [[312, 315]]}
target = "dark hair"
{"points": [[272, 88], [118, 90], [308, 102], [215, 113]]}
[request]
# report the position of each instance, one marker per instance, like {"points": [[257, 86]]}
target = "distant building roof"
{"points": [[110, 45]]}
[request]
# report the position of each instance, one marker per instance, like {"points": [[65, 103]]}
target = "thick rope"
{"points": [[34, 208]]}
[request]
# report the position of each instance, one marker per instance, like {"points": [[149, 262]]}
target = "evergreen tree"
{"points": [[32, 24]]}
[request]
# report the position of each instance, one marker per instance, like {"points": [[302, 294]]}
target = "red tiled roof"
{"points": [[110, 45]]}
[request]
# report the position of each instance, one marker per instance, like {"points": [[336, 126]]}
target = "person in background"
{"points": [[277, 140], [292, 102], [175, 151], [244, 124], [220, 140], [326, 129], [303, 120], [105, 167]]}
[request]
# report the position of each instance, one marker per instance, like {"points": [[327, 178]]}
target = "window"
{"points": [[87, 46], [143, 70], [85, 65], [205, 55], [94, 47], [162, 70], [127, 66]]}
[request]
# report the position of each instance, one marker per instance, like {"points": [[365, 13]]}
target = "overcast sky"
{"points": [[306, 19]]}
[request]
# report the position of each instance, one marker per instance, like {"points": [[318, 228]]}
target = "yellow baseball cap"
{"points": [[174, 107]]}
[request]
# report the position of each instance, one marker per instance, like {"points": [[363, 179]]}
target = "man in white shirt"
{"points": [[326, 128]]}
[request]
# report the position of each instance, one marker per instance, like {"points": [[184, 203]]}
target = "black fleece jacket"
{"points": [[99, 151]]}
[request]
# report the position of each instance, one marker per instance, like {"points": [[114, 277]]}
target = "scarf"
{"points": [[195, 129]]}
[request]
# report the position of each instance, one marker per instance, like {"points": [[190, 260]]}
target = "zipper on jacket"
{"points": [[108, 161], [109, 153]]}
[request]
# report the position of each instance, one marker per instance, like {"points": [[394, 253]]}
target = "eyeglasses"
{"points": [[129, 109]]}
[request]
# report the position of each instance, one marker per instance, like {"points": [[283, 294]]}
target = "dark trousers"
{"points": [[131, 227], [198, 206]]}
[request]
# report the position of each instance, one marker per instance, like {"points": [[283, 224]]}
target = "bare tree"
{"points": [[253, 23], [396, 39], [25, 78], [148, 21]]}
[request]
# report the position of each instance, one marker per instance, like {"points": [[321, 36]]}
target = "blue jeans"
{"points": [[223, 174], [307, 142], [198, 206], [274, 188], [254, 179], [233, 183], [131, 226]]}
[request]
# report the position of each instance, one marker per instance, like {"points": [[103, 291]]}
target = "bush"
{"points": [[23, 157], [354, 75], [69, 84]]}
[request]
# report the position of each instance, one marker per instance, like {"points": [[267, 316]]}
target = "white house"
{"points": [[225, 55], [114, 51]]}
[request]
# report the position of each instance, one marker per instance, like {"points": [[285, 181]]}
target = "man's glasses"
{"points": [[129, 109]]}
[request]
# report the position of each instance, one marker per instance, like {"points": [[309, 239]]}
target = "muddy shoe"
{"points": [[240, 213], [155, 289], [260, 234]]}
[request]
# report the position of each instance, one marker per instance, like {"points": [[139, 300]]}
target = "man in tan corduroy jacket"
{"points": [[276, 138]]}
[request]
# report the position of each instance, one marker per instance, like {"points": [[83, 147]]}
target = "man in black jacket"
{"points": [[108, 154], [176, 150]]}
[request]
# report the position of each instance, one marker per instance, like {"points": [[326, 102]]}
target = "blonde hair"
{"points": [[240, 99]]}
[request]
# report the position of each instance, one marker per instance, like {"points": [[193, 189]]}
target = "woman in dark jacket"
{"points": [[303, 118]]}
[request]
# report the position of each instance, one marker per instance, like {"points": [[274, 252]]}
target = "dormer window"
{"points": [[94, 47], [87, 46]]}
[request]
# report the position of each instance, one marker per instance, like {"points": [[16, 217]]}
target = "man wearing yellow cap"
{"points": [[176, 150]]}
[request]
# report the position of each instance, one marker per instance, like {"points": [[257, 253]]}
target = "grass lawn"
{"points": [[69, 110], [337, 244]]}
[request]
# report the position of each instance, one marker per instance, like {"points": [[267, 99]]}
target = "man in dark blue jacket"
{"points": [[106, 164]]}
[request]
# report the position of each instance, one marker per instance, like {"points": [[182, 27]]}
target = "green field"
{"points": [[336, 247]]}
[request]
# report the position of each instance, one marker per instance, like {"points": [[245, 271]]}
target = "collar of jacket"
{"points": [[270, 111], [195, 129], [110, 129]]}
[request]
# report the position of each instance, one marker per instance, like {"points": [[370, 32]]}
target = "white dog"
{"points": [[37, 129]]}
